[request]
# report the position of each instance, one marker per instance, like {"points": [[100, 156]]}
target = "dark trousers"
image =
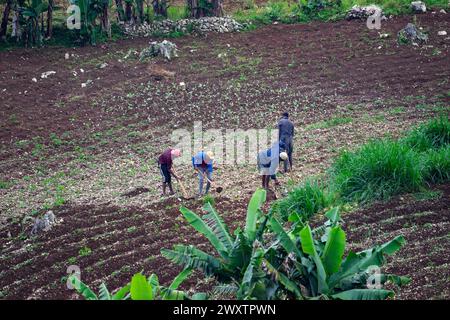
{"points": [[289, 143]]}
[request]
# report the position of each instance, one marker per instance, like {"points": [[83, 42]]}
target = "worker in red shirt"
{"points": [[165, 164]]}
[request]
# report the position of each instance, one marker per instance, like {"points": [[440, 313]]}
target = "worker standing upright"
{"points": [[286, 135]]}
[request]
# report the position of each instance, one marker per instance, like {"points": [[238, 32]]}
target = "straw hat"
{"points": [[283, 156], [209, 156]]}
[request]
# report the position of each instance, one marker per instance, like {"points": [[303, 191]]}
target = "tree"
{"points": [[4, 25], [120, 11], [205, 8], [49, 19], [160, 7]]}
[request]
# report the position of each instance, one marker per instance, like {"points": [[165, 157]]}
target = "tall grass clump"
{"points": [[431, 135], [377, 171], [436, 165], [306, 200]]}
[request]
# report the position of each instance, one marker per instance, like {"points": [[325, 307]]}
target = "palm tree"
{"points": [[4, 25]]}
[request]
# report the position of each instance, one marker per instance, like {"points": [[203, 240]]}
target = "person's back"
{"points": [[285, 128], [286, 136]]}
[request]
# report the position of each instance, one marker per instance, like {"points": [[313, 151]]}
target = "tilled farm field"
{"points": [[88, 153]]}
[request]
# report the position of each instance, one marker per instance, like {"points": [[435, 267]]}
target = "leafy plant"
{"points": [[233, 255], [140, 288], [266, 262]]}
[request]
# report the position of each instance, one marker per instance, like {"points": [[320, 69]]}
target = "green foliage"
{"points": [[266, 262], [377, 171], [433, 134], [304, 200], [140, 288], [233, 255]]}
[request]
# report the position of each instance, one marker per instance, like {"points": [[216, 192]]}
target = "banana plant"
{"points": [[140, 288], [32, 11], [233, 254], [313, 261]]}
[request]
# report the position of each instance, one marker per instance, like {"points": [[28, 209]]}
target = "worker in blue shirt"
{"points": [[268, 162], [203, 164]]}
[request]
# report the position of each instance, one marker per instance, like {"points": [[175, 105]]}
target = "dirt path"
{"points": [[78, 150]]}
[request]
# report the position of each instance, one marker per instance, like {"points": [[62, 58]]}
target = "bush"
{"points": [[436, 168], [305, 200], [377, 171], [434, 134]]}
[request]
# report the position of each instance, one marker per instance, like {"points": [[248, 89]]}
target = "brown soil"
{"points": [[96, 146]]}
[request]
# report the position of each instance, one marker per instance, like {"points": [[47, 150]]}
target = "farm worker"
{"points": [[268, 162], [286, 135], [203, 164], [165, 164]]}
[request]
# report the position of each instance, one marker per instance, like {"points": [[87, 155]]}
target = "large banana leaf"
{"points": [[358, 262], [285, 240], [103, 293], [253, 212], [284, 280], [122, 293], [215, 222], [251, 275], [364, 294], [309, 248], [140, 288], [82, 289], [334, 250], [198, 224], [193, 258], [183, 275]]}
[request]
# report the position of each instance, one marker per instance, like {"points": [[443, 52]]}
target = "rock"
{"points": [[363, 12], [34, 80], [43, 224], [85, 84], [418, 7], [66, 56], [166, 49], [411, 35], [46, 74], [442, 11], [442, 33], [384, 35], [103, 65]]}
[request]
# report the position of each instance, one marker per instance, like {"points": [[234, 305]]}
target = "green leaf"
{"points": [[218, 226], [392, 246], [333, 215], [183, 275], [199, 296], [284, 280], [198, 224], [121, 294], [104, 292], [154, 282], [334, 250], [193, 258], [253, 210], [285, 240], [140, 288], [82, 289], [364, 294], [310, 249]]}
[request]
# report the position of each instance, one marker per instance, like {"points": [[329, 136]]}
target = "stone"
{"points": [[418, 7], [43, 224], [46, 74], [411, 35], [166, 49], [363, 12], [442, 33]]}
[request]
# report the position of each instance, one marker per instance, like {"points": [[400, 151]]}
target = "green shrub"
{"points": [[305, 200], [436, 168], [433, 134], [377, 171]]}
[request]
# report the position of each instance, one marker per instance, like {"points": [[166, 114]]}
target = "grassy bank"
{"points": [[377, 170]]}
